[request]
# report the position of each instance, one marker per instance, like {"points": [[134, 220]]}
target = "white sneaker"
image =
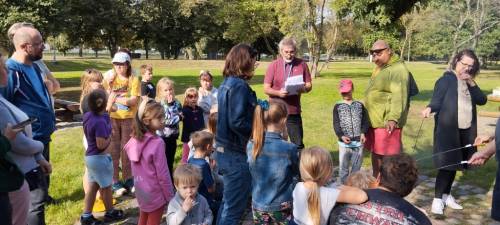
{"points": [[437, 206], [449, 201], [120, 192]]}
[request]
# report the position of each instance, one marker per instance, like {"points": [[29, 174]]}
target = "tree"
{"points": [[248, 20], [60, 42]]}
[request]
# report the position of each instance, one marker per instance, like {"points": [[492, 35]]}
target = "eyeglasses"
{"points": [[192, 96], [289, 52], [377, 52], [37, 45], [467, 65]]}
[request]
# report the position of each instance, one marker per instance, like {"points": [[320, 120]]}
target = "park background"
{"points": [[181, 37]]}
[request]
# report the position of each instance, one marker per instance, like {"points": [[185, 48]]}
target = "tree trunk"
{"points": [[146, 47], [80, 50], [96, 52]]}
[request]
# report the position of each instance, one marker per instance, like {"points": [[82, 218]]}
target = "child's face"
{"points": [[95, 85], [121, 68], [206, 83], [147, 76], [187, 190], [168, 92], [157, 123], [192, 99]]}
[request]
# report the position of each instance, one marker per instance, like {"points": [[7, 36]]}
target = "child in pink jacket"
{"points": [[153, 186]]}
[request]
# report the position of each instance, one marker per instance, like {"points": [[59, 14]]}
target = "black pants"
{"points": [[170, 149], [445, 178], [38, 199], [5, 209], [46, 155], [295, 131]]}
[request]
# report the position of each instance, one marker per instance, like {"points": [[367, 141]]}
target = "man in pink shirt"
{"points": [[287, 66]]}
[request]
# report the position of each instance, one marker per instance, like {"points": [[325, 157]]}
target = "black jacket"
{"points": [[444, 103]]}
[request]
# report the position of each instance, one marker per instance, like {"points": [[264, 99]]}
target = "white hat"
{"points": [[121, 57]]}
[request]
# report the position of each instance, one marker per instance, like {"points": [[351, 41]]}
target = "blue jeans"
{"points": [[237, 185], [349, 155], [495, 204]]}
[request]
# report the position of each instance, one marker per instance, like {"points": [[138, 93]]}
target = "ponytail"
{"points": [[258, 131], [313, 203]]}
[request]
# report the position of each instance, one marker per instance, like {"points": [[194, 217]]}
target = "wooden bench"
{"points": [[492, 98], [65, 110]]}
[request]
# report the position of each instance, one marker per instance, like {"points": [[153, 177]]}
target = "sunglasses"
{"points": [[377, 51], [192, 96]]}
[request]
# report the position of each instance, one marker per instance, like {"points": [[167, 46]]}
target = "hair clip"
{"points": [[264, 104]]}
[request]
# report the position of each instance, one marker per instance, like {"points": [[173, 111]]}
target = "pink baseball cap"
{"points": [[345, 86]]}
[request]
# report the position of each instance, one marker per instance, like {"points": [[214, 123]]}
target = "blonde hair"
{"points": [[162, 83], [187, 174], [146, 67], [89, 76], [148, 110], [189, 91], [212, 122], [361, 179], [316, 166], [276, 114]]}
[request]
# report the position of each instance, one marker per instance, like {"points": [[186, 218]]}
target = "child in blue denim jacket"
{"points": [[273, 165]]}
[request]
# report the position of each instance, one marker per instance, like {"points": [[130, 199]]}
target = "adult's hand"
{"points": [[391, 125], [482, 139], [10, 133], [46, 166], [282, 93], [426, 112], [363, 138]]}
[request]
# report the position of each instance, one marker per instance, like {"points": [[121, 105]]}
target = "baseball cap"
{"points": [[121, 57], [345, 86]]}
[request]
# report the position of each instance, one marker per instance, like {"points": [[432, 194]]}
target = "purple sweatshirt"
{"points": [[153, 186]]}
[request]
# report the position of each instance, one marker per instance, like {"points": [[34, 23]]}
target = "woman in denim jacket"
{"points": [[236, 100], [273, 164]]}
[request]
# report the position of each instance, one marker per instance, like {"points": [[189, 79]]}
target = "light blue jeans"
{"points": [[349, 156]]}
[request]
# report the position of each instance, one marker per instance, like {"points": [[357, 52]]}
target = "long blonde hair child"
{"points": [[162, 84], [316, 170], [91, 79], [275, 115], [316, 167]]}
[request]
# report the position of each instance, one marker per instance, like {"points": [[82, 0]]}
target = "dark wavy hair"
{"points": [[469, 53], [240, 62], [399, 174]]}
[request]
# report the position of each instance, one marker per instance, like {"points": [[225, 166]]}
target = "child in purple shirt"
{"points": [[97, 129]]}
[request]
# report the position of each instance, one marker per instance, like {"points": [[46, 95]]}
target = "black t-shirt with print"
{"points": [[382, 208], [148, 89]]}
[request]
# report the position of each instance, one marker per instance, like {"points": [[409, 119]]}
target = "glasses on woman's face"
{"points": [[192, 96], [469, 66]]}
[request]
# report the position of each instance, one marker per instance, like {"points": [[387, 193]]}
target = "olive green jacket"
{"points": [[386, 97]]}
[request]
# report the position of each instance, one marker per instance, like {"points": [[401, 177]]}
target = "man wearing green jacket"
{"points": [[386, 101]]}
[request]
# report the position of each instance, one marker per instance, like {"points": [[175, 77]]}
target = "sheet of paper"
{"points": [[294, 84]]}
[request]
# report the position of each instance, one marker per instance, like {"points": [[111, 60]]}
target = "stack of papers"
{"points": [[294, 84]]}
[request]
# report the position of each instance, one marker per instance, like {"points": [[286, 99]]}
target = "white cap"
{"points": [[121, 57]]}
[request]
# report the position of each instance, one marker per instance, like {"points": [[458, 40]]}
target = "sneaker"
{"points": [[90, 221], [113, 215], [118, 190], [449, 201], [437, 206], [129, 185]]}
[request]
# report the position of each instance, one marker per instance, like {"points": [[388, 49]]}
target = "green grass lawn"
{"points": [[67, 151]]}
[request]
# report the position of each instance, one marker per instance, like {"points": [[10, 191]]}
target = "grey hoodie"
{"points": [[25, 151], [199, 214]]}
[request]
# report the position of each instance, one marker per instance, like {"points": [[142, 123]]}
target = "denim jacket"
{"points": [[236, 103], [274, 173]]}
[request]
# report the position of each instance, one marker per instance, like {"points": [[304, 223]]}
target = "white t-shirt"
{"points": [[328, 198]]}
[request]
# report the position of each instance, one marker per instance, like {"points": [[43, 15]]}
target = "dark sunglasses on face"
{"points": [[192, 96], [377, 51]]}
